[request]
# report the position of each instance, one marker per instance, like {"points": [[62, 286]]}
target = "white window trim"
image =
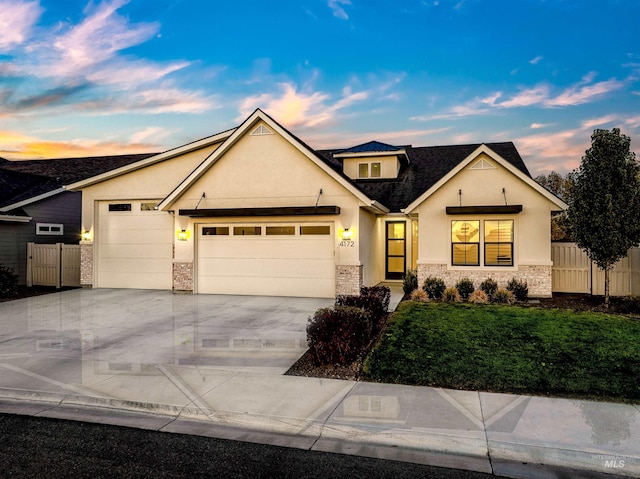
{"points": [[44, 229], [370, 170]]}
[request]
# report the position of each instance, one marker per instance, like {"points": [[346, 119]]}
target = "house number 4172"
{"points": [[347, 243]]}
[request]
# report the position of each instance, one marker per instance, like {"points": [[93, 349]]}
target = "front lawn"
{"points": [[510, 349]]}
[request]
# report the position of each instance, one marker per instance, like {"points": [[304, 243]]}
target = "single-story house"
{"points": [[34, 206], [254, 210]]}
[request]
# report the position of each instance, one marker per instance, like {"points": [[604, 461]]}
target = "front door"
{"points": [[396, 248]]}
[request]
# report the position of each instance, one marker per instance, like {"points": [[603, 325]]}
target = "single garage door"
{"points": [[134, 246], [293, 259]]}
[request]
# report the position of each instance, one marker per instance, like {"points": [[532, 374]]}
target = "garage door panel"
{"points": [[299, 287], [240, 248], [128, 251], [138, 236], [266, 268]]}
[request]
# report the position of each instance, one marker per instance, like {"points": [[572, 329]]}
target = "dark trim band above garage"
{"points": [[278, 211], [484, 210]]}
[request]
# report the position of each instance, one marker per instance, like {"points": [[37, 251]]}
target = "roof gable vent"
{"points": [[261, 130], [482, 165]]}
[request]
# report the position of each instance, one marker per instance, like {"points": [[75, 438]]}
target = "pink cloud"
{"points": [[17, 21]]}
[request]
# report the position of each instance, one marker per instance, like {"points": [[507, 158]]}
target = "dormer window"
{"points": [[369, 170]]}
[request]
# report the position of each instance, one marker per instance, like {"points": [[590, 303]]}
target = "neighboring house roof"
{"points": [[23, 182]]}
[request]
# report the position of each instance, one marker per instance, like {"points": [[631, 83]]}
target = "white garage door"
{"points": [[293, 259], [134, 246]]}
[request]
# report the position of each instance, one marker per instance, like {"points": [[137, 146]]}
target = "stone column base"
{"points": [[86, 265], [349, 280], [182, 277], [538, 277]]}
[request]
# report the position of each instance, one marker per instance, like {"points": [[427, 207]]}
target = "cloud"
{"points": [[297, 109], [578, 95], [593, 122], [97, 39], [537, 126], [16, 22], [17, 146], [151, 134], [338, 11], [536, 60]]}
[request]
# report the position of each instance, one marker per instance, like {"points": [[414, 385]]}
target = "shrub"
{"points": [[419, 295], [409, 282], [465, 288], [373, 300], [503, 296], [478, 297], [489, 286], [434, 287], [451, 295], [376, 299], [8, 282], [337, 335], [520, 289]]}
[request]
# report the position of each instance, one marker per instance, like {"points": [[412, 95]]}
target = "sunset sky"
{"points": [[116, 77]]}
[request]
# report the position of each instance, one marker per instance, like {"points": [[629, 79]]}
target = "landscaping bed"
{"points": [[560, 346]]}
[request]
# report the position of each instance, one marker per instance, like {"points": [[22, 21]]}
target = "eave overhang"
{"points": [[261, 212], [484, 210]]}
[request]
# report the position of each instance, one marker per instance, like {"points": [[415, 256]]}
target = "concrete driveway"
{"points": [[77, 339]]}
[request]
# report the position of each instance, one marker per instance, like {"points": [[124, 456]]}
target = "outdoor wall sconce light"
{"points": [[347, 234], [86, 236], [183, 235]]}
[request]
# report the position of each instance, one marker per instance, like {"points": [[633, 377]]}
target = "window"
{"points": [[369, 170], [49, 229], [281, 230], [315, 230], [148, 206], [498, 243], [247, 230], [120, 207], [215, 230], [465, 243]]}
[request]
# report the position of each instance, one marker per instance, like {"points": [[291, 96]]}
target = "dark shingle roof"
{"points": [[427, 165], [22, 180]]}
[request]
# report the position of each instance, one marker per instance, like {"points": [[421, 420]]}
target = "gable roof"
{"points": [[246, 127], [427, 165], [506, 155], [150, 160]]}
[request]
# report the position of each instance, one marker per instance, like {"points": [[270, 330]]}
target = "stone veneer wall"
{"points": [[538, 277], [86, 265], [183, 277], [349, 279]]}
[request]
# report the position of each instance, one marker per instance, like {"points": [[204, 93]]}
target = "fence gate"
{"points": [[53, 265]]}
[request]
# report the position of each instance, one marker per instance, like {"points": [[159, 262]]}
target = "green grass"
{"points": [[510, 349]]}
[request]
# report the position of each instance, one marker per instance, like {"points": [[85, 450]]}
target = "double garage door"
{"points": [[284, 259]]}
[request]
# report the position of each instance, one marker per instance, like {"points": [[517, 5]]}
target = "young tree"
{"points": [[604, 206]]}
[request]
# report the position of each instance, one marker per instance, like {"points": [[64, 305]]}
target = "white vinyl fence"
{"points": [[573, 272], [53, 265]]}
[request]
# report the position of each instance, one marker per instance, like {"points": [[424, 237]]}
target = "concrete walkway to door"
{"points": [[212, 366]]}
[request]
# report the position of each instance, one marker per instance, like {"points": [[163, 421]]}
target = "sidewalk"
{"points": [[113, 374]]}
